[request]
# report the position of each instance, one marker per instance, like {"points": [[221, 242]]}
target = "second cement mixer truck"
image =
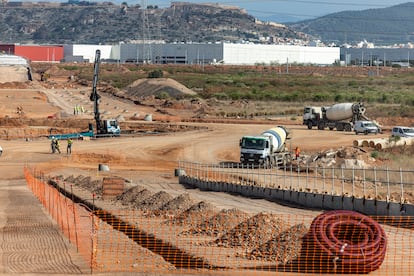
{"points": [[342, 117], [267, 149]]}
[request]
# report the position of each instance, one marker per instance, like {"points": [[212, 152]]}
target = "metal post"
{"points": [[388, 186], [353, 181], [342, 180], [402, 186], [333, 181], [363, 181], [375, 183]]}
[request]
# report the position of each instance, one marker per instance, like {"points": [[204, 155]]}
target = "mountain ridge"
{"points": [[382, 26]]}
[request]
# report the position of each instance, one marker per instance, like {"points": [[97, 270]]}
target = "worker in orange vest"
{"points": [[297, 153]]}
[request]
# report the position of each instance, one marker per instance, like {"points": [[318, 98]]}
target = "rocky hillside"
{"points": [[385, 26], [93, 23]]}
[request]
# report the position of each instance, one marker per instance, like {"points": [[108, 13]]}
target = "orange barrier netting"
{"points": [[202, 238], [75, 221]]}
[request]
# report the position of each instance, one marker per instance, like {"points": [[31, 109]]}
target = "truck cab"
{"points": [[366, 127], [254, 149], [111, 127], [311, 116]]}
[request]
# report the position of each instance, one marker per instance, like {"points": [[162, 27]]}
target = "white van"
{"points": [[365, 127], [402, 131]]}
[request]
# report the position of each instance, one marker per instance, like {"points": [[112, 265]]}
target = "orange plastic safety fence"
{"points": [[75, 222], [201, 238]]}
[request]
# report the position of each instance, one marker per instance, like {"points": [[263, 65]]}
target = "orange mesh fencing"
{"points": [[199, 238], [75, 222]]}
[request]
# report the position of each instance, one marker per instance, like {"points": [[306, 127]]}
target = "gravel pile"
{"points": [[178, 204], [283, 248], [253, 232], [218, 224], [154, 202], [85, 182], [129, 195], [194, 215]]}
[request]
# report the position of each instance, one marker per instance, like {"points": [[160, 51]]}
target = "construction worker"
{"points": [[69, 147], [297, 153], [53, 144], [57, 145]]}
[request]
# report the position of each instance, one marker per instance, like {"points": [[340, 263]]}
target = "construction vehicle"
{"points": [[109, 127], [267, 149], [341, 117]]}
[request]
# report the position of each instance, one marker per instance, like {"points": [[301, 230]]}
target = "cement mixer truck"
{"points": [[342, 117], [267, 149]]}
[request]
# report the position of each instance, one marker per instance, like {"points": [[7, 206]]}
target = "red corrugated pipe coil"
{"points": [[344, 242]]}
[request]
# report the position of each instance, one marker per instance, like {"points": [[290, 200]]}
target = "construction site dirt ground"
{"points": [[148, 159]]}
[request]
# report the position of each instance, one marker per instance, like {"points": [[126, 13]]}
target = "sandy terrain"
{"points": [[148, 159]]}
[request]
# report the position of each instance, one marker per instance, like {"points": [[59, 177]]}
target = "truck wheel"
{"points": [[348, 128], [366, 132], [321, 126], [310, 125]]}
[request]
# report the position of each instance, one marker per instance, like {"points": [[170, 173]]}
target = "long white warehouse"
{"points": [[206, 53]]}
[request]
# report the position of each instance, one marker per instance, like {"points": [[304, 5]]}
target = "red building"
{"points": [[42, 53]]}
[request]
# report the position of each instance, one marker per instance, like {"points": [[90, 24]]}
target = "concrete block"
{"points": [[245, 190], [394, 209], [348, 203], [277, 194], [370, 207], [314, 201], [408, 210], [231, 187], [382, 208], [337, 203], [359, 205], [302, 198], [257, 192], [294, 197], [239, 189], [267, 193], [327, 202]]}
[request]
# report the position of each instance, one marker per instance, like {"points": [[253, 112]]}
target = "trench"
{"points": [[172, 254]]}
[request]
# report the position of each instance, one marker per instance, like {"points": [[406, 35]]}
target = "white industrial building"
{"points": [[86, 52], [204, 53]]}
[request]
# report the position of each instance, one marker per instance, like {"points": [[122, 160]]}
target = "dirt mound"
{"points": [[141, 196], [158, 87], [13, 74], [283, 248], [179, 203], [219, 224], [253, 232], [129, 195], [154, 202], [194, 215]]}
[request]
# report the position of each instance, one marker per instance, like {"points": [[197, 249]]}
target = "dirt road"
{"points": [[148, 160]]}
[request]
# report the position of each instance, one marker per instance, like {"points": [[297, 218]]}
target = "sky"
{"points": [[288, 10]]}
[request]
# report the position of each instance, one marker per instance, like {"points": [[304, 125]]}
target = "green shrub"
{"points": [[155, 74]]}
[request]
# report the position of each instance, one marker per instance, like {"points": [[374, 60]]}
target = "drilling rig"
{"points": [[109, 127]]}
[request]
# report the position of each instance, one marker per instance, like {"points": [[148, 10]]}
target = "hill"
{"points": [[105, 23], [384, 26]]}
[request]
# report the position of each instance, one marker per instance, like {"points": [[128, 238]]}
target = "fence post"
{"points": [[388, 185], [333, 181], [402, 187], [375, 183], [343, 180], [363, 182], [323, 177], [353, 181]]}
